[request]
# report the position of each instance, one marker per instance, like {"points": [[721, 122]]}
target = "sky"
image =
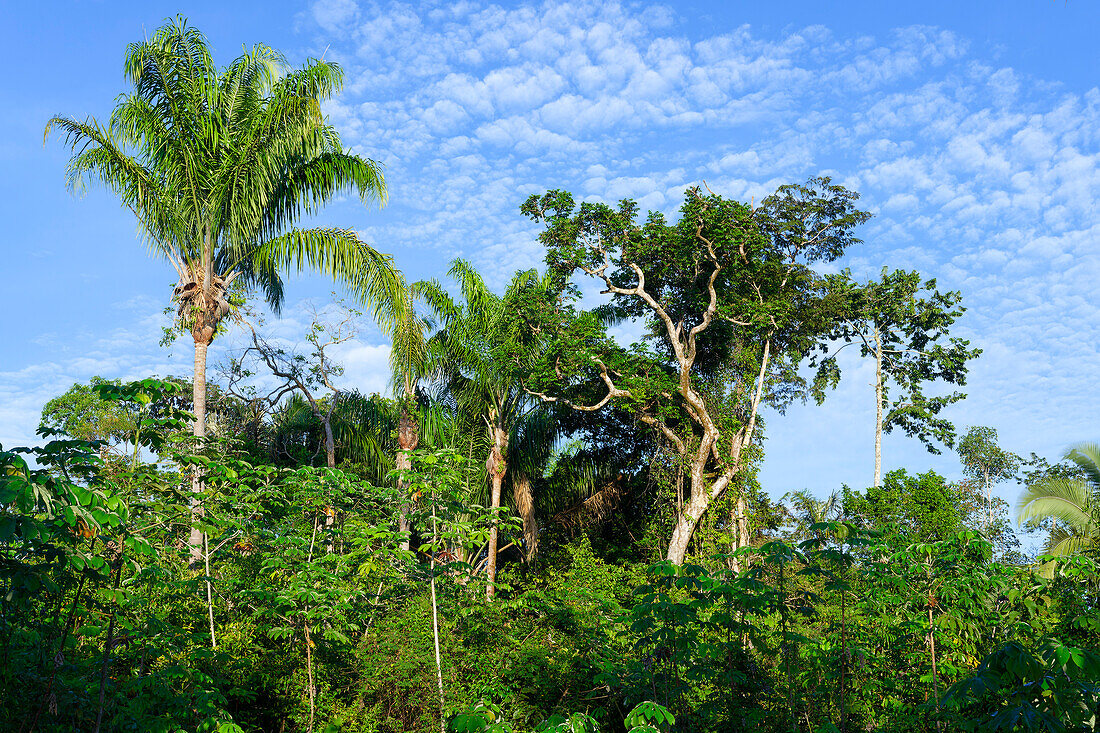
{"points": [[971, 130]]}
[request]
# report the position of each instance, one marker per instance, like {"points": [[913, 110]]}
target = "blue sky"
{"points": [[971, 129]]}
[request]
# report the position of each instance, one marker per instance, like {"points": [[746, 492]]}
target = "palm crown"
{"points": [[1072, 502], [218, 165], [480, 346]]}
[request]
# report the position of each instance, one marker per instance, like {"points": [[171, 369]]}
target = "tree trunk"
{"points": [[935, 672], [209, 591], [525, 505], [330, 444], [108, 644], [988, 499], [878, 409], [330, 461], [742, 522], [199, 430], [496, 465], [408, 438], [704, 492], [843, 662], [685, 526], [309, 674], [435, 622]]}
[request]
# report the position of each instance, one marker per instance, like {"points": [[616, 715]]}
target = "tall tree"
{"points": [[481, 341], [986, 463], [898, 321], [1069, 501], [218, 165], [731, 307], [409, 363]]}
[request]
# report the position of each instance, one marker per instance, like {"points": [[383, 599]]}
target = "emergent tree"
{"points": [[731, 306], [218, 165], [900, 329]]}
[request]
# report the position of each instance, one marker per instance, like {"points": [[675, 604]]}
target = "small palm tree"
{"points": [[479, 344], [1072, 503], [218, 165], [410, 361], [806, 511], [532, 447]]}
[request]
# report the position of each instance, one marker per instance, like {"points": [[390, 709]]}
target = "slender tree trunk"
{"points": [[199, 429], [209, 593], [742, 522], [496, 466], [330, 461], [878, 409], [988, 499], [935, 672], [306, 633], [309, 673], [107, 651], [435, 621], [843, 662]]}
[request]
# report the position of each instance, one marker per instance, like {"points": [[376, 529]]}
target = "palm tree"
{"points": [[410, 362], [531, 445], [1071, 502], [479, 343], [374, 432], [806, 511], [218, 165]]}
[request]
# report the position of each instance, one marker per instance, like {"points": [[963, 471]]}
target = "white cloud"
{"points": [[334, 15]]}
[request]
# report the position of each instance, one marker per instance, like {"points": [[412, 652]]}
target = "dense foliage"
{"points": [[894, 618]]}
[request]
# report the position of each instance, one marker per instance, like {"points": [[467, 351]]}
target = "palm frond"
{"points": [[340, 254], [1087, 458], [1073, 504], [1067, 500]]}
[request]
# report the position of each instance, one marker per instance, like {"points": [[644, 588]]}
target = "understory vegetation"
{"points": [[907, 622]]}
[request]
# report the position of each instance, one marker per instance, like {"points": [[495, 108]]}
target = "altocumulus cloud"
{"points": [[977, 176]]}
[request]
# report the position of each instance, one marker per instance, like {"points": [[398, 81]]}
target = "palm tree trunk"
{"points": [[330, 461], [199, 429], [408, 438], [525, 505], [496, 466]]}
